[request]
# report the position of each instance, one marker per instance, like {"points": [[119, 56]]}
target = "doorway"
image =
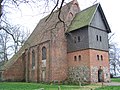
{"points": [[100, 75]]}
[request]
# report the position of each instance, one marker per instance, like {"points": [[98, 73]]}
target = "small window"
{"points": [[100, 39], [79, 57], [78, 38], [97, 57], [97, 37], [101, 58], [74, 39], [75, 58]]}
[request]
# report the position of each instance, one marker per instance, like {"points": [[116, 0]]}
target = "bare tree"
{"points": [[114, 59], [114, 56], [17, 35], [4, 38], [11, 39]]}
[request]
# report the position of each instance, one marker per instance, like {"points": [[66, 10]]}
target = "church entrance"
{"points": [[100, 75]]}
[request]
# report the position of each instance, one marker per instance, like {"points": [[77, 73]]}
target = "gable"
{"points": [[97, 21], [93, 15], [82, 19]]}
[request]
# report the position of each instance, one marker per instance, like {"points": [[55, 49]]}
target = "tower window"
{"points": [[101, 58], [97, 57], [100, 38], [74, 39], [75, 58], [79, 57], [97, 37], [78, 38]]}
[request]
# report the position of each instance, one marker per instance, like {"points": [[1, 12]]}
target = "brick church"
{"points": [[76, 50]]}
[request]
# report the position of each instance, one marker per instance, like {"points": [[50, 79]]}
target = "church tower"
{"points": [[87, 39]]}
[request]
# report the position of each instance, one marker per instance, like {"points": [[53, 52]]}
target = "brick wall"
{"points": [[35, 74], [96, 64], [16, 72], [56, 62], [79, 68], [89, 60]]}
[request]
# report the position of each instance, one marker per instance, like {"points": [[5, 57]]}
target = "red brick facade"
{"points": [[16, 72], [89, 59], [58, 65]]}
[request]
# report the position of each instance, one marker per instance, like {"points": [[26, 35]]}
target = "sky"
{"points": [[29, 17]]}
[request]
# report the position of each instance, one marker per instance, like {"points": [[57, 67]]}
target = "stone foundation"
{"points": [[80, 74]]}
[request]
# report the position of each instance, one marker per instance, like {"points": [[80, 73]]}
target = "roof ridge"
{"points": [[94, 12], [89, 7]]}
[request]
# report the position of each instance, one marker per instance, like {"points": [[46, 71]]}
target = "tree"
{"points": [[114, 56], [4, 38], [114, 59], [18, 36], [11, 39]]}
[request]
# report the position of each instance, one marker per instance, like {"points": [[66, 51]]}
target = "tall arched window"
{"points": [[33, 59], [44, 56], [44, 53]]}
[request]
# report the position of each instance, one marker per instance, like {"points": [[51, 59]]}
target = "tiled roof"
{"points": [[83, 18]]}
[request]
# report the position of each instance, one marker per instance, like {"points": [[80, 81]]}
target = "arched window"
{"points": [[33, 59], [97, 57], [101, 58], [79, 57], [75, 58], [44, 51]]}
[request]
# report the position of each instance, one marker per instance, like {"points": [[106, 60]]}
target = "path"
{"points": [[112, 84]]}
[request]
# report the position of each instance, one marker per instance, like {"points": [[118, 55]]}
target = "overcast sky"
{"points": [[29, 18]]}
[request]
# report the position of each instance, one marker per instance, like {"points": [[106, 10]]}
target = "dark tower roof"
{"points": [[84, 18]]}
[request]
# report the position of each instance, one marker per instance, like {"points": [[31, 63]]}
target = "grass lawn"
{"points": [[109, 88], [37, 86], [115, 79]]}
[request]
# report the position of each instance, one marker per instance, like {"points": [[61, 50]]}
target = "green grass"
{"points": [[109, 88], [115, 79], [36, 86]]}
